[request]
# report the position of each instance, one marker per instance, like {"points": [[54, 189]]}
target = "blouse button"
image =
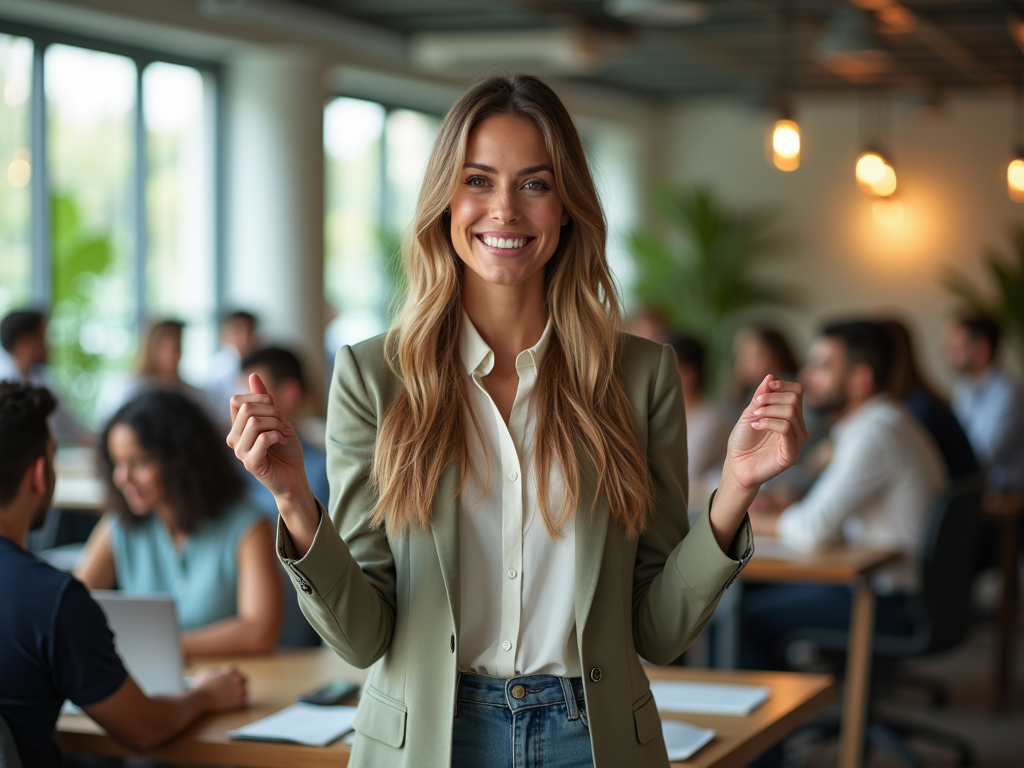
{"points": [[507, 645], [513, 476], [595, 674], [512, 573]]}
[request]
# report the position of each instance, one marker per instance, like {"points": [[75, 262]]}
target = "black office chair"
{"points": [[942, 618], [8, 751]]}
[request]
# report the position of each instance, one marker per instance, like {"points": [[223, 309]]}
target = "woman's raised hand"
{"points": [[265, 442], [767, 438]]}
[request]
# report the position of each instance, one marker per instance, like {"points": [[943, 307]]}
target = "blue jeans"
{"points": [[536, 721]]}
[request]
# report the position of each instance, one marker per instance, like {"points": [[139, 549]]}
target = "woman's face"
{"points": [[506, 216], [136, 474], [167, 355], [752, 360]]}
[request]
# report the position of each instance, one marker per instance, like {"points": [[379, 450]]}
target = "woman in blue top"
{"points": [[182, 528]]}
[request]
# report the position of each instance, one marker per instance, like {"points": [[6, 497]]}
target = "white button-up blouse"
{"points": [[518, 583]]}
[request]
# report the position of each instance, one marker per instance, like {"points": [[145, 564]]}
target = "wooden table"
{"points": [[275, 681], [841, 565], [1004, 510]]}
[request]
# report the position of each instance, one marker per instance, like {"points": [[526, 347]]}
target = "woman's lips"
{"points": [[504, 244]]}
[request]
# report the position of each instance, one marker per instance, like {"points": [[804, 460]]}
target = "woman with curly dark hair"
{"points": [[180, 526]]}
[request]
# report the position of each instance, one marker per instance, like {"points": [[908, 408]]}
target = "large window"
{"points": [[113, 224], [375, 161]]}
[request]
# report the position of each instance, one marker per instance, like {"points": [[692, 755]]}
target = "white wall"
{"points": [[951, 168]]}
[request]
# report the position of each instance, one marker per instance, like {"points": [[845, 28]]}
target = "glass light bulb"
{"points": [[784, 145], [886, 185], [870, 168], [1015, 180]]}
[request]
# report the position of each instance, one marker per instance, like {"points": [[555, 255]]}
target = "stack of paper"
{"points": [[301, 723], [682, 740], [708, 698]]}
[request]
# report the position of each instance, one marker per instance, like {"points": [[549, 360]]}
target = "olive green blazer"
{"points": [[391, 601]]}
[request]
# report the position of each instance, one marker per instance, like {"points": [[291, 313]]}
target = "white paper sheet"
{"points": [[683, 740], [708, 698], [300, 723]]}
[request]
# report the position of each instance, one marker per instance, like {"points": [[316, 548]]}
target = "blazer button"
{"points": [[306, 588], [595, 675]]}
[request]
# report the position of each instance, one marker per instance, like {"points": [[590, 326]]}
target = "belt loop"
{"points": [[570, 698]]}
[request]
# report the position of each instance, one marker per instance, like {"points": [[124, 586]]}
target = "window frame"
{"points": [[42, 38]]}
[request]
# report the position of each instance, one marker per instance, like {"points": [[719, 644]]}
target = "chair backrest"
{"points": [[8, 751], [947, 559]]}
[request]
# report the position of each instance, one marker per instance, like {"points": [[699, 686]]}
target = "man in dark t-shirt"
{"points": [[54, 640]]}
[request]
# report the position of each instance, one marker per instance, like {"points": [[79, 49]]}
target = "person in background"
{"points": [[648, 324], [928, 407], [26, 357], [988, 402], [282, 374], [182, 527], [156, 368], [707, 430], [54, 640], [884, 477], [238, 337]]}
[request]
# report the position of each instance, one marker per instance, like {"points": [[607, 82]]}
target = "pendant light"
{"points": [[874, 169], [1015, 170], [784, 142]]}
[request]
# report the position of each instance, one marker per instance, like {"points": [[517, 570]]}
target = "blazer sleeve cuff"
{"points": [[316, 572], [702, 563]]}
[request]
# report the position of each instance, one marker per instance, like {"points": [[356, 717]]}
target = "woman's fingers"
{"points": [[256, 426], [257, 458], [237, 401], [245, 412]]}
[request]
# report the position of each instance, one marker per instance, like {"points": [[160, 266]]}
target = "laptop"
{"points": [[146, 636]]}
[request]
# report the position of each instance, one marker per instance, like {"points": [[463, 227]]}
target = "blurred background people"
{"points": [[930, 409], [884, 476], [238, 337], [157, 368], [707, 429], [988, 402], [648, 324], [182, 527], [26, 357], [54, 639]]}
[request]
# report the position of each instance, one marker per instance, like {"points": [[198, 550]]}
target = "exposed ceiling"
{"points": [[750, 47]]}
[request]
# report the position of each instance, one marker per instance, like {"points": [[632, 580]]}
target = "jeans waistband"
{"points": [[522, 692]]}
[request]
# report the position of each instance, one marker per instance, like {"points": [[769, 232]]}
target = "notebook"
{"points": [[708, 698], [683, 740], [310, 724]]}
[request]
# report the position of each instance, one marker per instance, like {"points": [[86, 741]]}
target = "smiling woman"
{"points": [[508, 530]]}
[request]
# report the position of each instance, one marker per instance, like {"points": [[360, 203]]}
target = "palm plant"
{"points": [[705, 277], [1006, 271]]}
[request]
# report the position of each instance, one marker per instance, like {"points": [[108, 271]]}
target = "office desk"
{"points": [[1004, 510], [275, 681], [850, 566]]}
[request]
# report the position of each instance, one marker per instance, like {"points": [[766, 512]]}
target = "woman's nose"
{"points": [[505, 205]]}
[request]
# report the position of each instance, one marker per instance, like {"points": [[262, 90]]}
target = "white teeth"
{"points": [[502, 242]]}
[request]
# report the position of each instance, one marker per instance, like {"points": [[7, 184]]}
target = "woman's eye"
{"points": [[476, 181], [535, 185]]}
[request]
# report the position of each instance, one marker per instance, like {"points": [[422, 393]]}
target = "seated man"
{"points": [[878, 490], [988, 402], [283, 376], [54, 639]]}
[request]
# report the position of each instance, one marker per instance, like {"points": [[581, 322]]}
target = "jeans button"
{"points": [[518, 692], [595, 675]]}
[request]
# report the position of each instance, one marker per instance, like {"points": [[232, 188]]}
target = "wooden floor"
{"points": [[998, 738]]}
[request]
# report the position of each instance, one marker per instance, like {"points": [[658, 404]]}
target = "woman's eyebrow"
{"points": [[523, 172]]}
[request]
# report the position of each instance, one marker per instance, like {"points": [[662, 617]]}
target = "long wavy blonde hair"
{"points": [[584, 417]]}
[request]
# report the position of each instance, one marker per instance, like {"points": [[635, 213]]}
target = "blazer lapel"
{"points": [[591, 532], [444, 525]]}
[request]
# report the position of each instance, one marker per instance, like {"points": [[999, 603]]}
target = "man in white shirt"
{"points": [[879, 488], [987, 402]]}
